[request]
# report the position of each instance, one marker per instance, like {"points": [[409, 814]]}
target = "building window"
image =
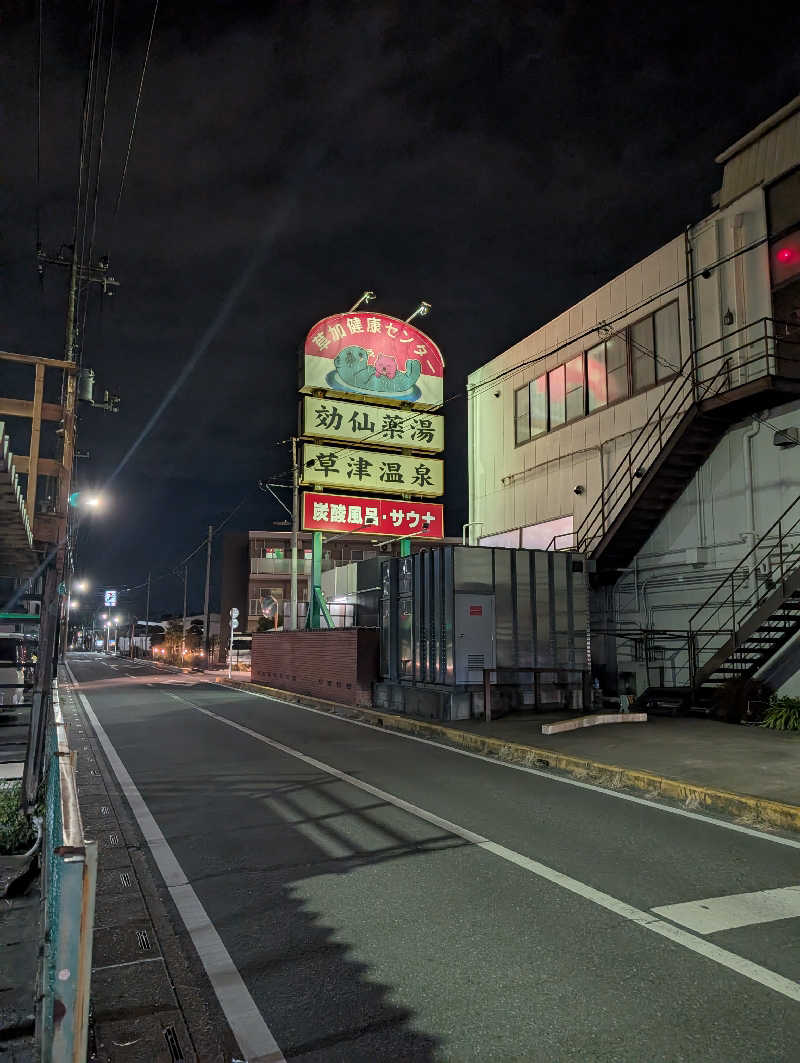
{"points": [[667, 341], [636, 358], [643, 354], [556, 392], [575, 388], [783, 204], [555, 534], [596, 377], [617, 367], [538, 403], [356, 555], [522, 422]]}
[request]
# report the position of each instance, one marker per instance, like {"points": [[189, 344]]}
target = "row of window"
{"points": [[638, 357], [277, 553]]}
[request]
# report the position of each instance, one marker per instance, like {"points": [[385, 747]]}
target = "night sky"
{"points": [[498, 160]]}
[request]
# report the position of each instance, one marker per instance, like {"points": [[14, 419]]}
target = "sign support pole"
{"points": [[317, 607], [316, 581], [295, 531]]}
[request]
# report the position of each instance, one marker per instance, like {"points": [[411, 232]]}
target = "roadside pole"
{"points": [[295, 531], [234, 623], [206, 625], [185, 585], [147, 619]]}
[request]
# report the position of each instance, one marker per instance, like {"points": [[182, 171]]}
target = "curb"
{"points": [[756, 810]]}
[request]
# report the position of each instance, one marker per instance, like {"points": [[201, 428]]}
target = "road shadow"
{"points": [[290, 865]]}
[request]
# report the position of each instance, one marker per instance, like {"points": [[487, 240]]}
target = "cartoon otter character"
{"points": [[354, 370], [352, 365]]}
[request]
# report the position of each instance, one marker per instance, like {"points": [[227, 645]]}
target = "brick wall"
{"points": [[339, 665]]}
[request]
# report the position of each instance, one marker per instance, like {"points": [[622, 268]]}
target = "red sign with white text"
{"points": [[372, 516]]}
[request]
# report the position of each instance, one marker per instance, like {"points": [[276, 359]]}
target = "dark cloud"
{"points": [[499, 160]]}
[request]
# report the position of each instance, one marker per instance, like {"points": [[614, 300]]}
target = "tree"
{"points": [[173, 637], [194, 635]]}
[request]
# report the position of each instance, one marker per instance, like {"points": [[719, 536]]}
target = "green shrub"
{"points": [[16, 833], [783, 714]]}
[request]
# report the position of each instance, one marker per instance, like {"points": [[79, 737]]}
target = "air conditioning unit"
{"points": [[786, 437]]}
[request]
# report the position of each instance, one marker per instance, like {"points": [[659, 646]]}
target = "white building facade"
{"points": [[652, 427]]}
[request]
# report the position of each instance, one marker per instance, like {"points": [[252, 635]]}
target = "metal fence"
{"points": [[69, 873]]}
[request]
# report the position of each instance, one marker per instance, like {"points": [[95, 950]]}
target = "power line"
{"points": [[103, 113], [620, 317], [136, 111], [93, 167]]}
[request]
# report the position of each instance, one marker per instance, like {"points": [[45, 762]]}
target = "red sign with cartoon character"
{"points": [[374, 355]]}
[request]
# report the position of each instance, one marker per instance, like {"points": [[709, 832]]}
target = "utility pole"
{"points": [[295, 531], [147, 619], [206, 624], [185, 591]]}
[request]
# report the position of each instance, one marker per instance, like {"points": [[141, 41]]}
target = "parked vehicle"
{"points": [[18, 655]]}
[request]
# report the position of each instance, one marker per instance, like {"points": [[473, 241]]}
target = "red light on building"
{"points": [[786, 254]]}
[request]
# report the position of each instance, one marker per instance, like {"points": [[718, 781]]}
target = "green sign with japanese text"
{"points": [[358, 422], [356, 469]]}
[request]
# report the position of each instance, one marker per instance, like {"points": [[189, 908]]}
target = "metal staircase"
{"points": [[747, 370], [752, 613]]}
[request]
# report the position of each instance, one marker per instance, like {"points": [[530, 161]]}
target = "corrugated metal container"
{"points": [[451, 612]]}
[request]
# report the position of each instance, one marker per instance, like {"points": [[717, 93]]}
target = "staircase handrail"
{"points": [[745, 567], [587, 528], [672, 404]]}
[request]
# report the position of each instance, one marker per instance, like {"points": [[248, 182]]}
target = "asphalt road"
{"points": [[435, 906]]}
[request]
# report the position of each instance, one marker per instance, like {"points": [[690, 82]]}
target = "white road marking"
{"points": [[738, 964], [792, 843], [246, 1021], [740, 909], [129, 963]]}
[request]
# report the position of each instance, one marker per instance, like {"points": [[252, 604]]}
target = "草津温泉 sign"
{"points": [[356, 422], [374, 355], [371, 470], [372, 516]]}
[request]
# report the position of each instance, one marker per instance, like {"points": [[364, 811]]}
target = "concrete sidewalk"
{"points": [[738, 758], [749, 773]]}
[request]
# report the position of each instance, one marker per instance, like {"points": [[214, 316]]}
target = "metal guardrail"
{"points": [[750, 353], [69, 874]]}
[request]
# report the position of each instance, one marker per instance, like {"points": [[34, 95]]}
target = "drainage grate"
{"points": [[113, 839], [172, 1044], [143, 941], [125, 879]]}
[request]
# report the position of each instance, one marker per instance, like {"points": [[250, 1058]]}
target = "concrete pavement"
{"points": [[385, 898]]}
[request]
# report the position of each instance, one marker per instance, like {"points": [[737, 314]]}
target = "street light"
{"points": [[82, 586], [73, 604], [84, 500]]}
